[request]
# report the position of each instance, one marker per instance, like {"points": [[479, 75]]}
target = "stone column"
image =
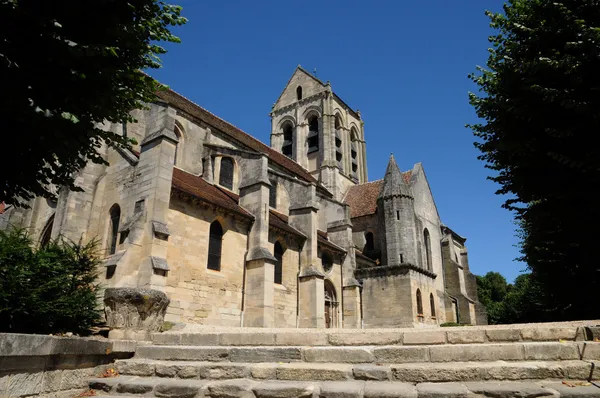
{"points": [[259, 308], [352, 306], [311, 290]]}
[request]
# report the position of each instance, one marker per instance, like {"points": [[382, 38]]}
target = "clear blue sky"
{"points": [[404, 64]]}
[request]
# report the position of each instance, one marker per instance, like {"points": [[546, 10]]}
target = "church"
{"points": [[238, 233]]}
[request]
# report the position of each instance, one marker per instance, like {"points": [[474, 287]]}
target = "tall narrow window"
{"points": [[427, 241], [327, 262], [115, 216], [354, 152], [47, 233], [370, 246], [288, 140], [419, 303], [313, 134], [215, 243], [432, 304], [226, 173], [278, 277], [299, 93], [339, 155], [273, 194]]}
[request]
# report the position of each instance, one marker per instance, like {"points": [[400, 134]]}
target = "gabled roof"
{"points": [[362, 198], [307, 73], [199, 188], [180, 102]]}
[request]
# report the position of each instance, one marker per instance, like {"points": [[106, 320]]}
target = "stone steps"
{"points": [[244, 388], [521, 351], [333, 337], [405, 372]]}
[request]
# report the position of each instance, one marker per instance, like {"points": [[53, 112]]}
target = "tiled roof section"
{"points": [[361, 256], [184, 104], [322, 234], [280, 221], [362, 198], [206, 192]]}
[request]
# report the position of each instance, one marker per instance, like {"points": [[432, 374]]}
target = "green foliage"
{"points": [[66, 66], [540, 111], [51, 289]]}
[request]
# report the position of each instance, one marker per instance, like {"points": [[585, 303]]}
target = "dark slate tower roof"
{"points": [[393, 182]]}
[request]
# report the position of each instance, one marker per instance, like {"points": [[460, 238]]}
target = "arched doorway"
{"points": [[331, 306]]}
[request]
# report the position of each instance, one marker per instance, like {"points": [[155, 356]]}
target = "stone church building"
{"points": [[238, 233]]}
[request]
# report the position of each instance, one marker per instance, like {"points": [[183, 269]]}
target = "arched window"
{"points": [[226, 173], [326, 262], [113, 231], [354, 151], [370, 245], [273, 194], [432, 304], [299, 93], [215, 243], [313, 133], [288, 140], [278, 252], [331, 305], [47, 232], [339, 155], [427, 241], [178, 146], [419, 303]]}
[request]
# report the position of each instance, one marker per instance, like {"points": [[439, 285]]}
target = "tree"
{"points": [[67, 66], [49, 289], [540, 111]]}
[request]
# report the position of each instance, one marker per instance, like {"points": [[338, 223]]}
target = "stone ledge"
{"points": [[391, 270]]}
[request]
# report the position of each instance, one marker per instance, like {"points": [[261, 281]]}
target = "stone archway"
{"points": [[331, 305]]}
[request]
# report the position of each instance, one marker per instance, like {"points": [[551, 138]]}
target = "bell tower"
{"points": [[313, 126]]}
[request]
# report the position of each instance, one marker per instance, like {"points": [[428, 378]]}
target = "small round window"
{"points": [[326, 262]]}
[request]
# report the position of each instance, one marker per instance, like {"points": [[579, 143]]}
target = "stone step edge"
{"points": [[356, 389], [422, 337], [407, 372], [372, 354]]}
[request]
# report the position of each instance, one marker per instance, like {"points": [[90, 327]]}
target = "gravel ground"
{"points": [[196, 328]]}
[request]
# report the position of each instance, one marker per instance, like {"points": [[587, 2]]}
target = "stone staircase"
{"points": [[516, 361]]}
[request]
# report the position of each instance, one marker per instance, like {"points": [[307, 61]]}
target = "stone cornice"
{"points": [[391, 270], [283, 109]]}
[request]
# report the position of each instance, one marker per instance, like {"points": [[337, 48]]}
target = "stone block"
{"points": [[253, 338], [187, 372], [267, 371], [389, 390], [481, 352], [549, 334], [424, 338], [183, 353], [550, 351], [231, 389], [229, 371], [591, 351], [383, 338], [75, 378], [442, 390], [166, 338], [401, 354], [503, 334], [371, 372], [211, 339], [135, 308], [21, 384], [508, 389], [135, 386], [339, 389], [583, 391], [124, 346], [180, 390], [265, 354], [314, 371], [135, 368], [284, 389], [51, 383], [466, 336], [301, 339], [166, 369], [338, 354], [103, 384]]}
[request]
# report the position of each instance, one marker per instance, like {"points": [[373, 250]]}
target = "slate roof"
{"points": [[361, 256], [199, 188], [323, 239], [362, 198], [184, 104], [280, 221]]}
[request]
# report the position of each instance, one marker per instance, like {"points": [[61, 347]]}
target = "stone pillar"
{"points": [[352, 306], [259, 290], [311, 289], [299, 146]]}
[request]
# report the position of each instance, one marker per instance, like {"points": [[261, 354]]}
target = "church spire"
{"points": [[393, 182]]}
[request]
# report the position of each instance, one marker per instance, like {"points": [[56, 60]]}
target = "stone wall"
{"points": [[200, 295], [49, 366]]}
